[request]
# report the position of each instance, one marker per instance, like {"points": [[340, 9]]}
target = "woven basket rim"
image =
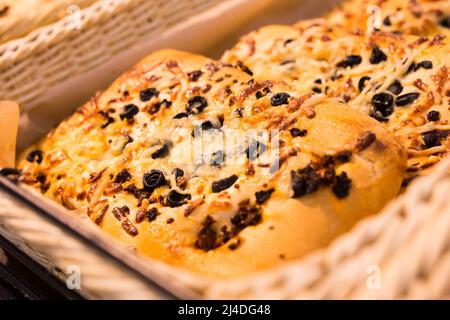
{"points": [[89, 15]]}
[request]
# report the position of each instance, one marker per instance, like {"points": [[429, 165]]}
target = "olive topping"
{"points": [[433, 115], [382, 106], [152, 214], [343, 156], [316, 90], [322, 173], [175, 199], [280, 99], [262, 93], [445, 22], [246, 216], [396, 87], [305, 181], [406, 99], [35, 156], [287, 42], [240, 112], [223, 184], [161, 152], [154, 179], [207, 237], [244, 68], [196, 105], [426, 64], [350, 61], [212, 236], [107, 122], [156, 107], [296, 132], [122, 176], [342, 185], [263, 196], [377, 56], [362, 83], [181, 115], [194, 75], [129, 111], [139, 194], [178, 173], [148, 94], [413, 67], [205, 126], [387, 21], [433, 138]]}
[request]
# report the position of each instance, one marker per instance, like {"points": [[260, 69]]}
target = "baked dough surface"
{"points": [[416, 17], [400, 80], [129, 159]]}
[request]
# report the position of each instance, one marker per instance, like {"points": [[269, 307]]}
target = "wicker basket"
{"points": [[33, 70]]}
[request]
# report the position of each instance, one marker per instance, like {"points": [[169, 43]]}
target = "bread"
{"points": [[9, 125], [400, 80], [19, 17], [128, 158], [416, 17]]}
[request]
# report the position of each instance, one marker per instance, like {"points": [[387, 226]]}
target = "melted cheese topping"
{"points": [[98, 159], [417, 17], [310, 56]]}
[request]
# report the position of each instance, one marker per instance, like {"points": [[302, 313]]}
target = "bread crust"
{"points": [[223, 233], [416, 17], [312, 56]]}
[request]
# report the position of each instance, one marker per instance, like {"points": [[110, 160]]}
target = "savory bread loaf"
{"points": [[195, 163], [400, 80], [9, 125], [417, 17], [19, 17]]}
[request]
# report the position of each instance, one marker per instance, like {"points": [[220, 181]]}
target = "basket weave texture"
{"points": [[52, 54]]}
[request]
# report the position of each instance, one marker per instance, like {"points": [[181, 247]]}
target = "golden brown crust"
{"points": [[361, 69], [243, 215], [416, 17]]}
